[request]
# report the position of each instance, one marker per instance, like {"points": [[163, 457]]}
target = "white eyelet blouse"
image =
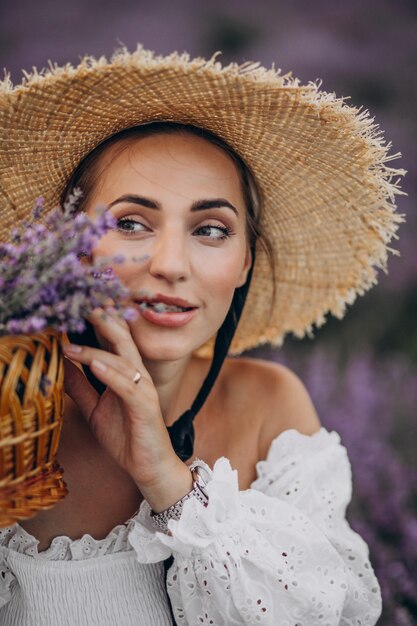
{"points": [[278, 554]]}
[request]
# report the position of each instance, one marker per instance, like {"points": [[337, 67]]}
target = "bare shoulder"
{"points": [[276, 396]]}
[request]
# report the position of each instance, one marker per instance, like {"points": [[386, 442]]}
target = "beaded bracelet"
{"points": [[201, 474]]}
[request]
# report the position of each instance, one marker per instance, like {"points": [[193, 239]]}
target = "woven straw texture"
{"points": [[30, 424], [322, 167]]}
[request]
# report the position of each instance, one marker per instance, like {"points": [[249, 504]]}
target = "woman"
{"points": [[236, 187]]}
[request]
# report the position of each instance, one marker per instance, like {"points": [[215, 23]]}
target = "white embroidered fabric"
{"points": [[7, 580], [278, 554], [62, 548]]}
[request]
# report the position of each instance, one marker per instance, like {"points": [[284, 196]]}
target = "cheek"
{"points": [[108, 245], [219, 277]]}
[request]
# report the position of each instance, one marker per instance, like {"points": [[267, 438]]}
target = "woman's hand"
{"points": [[126, 419]]}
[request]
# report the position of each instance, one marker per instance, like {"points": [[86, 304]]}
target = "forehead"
{"points": [[177, 162]]}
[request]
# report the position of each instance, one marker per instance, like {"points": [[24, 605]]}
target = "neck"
{"points": [[174, 382]]}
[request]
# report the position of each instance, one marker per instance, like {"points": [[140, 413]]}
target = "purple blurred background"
{"points": [[361, 371]]}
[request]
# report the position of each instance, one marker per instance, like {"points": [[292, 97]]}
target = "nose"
{"points": [[169, 257]]}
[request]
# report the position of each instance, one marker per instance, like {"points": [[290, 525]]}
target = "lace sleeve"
{"points": [[278, 554], [7, 580]]}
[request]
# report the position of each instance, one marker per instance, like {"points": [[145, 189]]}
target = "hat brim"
{"points": [[321, 165]]}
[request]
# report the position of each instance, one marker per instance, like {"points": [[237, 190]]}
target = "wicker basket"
{"points": [[31, 415]]}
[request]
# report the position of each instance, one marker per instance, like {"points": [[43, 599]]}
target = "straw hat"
{"points": [[321, 165]]}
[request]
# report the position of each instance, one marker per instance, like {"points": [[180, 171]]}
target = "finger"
{"points": [[85, 354], [118, 334], [79, 389], [106, 314], [120, 384]]}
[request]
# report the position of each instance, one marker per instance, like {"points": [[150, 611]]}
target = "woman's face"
{"points": [[178, 200]]}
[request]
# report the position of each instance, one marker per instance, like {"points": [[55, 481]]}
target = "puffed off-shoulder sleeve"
{"points": [[279, 554]]}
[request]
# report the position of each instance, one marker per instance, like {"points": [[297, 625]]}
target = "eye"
{"points": [[130, 229], [214, 231]]}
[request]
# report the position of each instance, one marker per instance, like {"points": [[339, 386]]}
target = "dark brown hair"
{"points": [[86, 174]]}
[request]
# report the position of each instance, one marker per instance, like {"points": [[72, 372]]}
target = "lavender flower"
{"points": [[43, 282]]}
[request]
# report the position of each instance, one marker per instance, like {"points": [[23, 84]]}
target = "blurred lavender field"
{"points": [[361, 371]]}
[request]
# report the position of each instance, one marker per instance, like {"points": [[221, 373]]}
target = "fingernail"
{"points": [[72, 348], [99, 365]]}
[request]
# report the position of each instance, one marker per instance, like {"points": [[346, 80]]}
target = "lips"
{"points": [[168, 301], [167, 311], [168, 318]]}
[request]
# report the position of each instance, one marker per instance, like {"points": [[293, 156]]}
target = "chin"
{"points": [[164, 344], [166, 348]]}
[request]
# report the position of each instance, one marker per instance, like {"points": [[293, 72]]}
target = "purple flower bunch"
{"points": [[43, 281]]}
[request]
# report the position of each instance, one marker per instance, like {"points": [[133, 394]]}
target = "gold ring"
{"points": [[137, 377]]}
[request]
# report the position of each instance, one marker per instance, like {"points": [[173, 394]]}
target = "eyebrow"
{"points": [[197, 205]]}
